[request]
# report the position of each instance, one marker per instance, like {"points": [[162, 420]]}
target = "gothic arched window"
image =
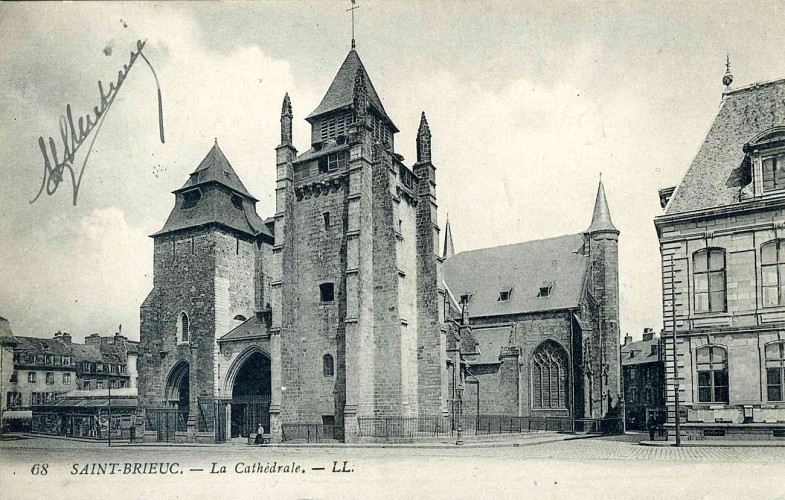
{"points": [[328, 368], [549, 376], [183, 328]]}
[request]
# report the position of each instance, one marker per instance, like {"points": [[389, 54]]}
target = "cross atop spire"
{"points": [[601, 217], [352, 9]]}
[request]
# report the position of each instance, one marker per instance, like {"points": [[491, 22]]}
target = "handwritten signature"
{"points": [[72, 141]]}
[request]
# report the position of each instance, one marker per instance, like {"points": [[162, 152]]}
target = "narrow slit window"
{"points": [[326, 219]]}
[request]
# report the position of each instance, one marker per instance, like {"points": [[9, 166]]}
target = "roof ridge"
{"points": [[520, 243], [753, 86]]}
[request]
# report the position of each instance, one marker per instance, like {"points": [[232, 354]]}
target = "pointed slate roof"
{"points": [[449, 248], [718, 173], [341, 91], [523, 268], [217, 180], [601, 217], [216, 168]]}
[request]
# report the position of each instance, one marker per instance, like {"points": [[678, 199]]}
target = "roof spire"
{"points": [[449, 248], [728, 78], [423, 140], [352, 9], [601, 217]]}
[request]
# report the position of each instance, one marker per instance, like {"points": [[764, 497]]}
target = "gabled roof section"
{"points": [[341, 91], [490, 342], [216, 168], [717, 173], [643, 352], [251, 328], [217, 182], [522, 268]]}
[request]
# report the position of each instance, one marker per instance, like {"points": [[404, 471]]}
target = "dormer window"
{"points": [[191, 198], [545, 290], [773, 172], [237, 201], [767, 155], [504, 295]]}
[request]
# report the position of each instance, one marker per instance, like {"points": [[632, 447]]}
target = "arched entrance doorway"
{"points": [[177, 387], [251, 389]]}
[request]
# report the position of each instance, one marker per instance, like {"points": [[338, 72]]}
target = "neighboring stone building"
{"points": [[7, 344], [722, 242], [643, 377], [543, 323], [329, 313], [47, 368]]}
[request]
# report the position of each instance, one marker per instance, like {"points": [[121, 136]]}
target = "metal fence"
{"points": [[165, 422], [472, 425], [309, 433]]}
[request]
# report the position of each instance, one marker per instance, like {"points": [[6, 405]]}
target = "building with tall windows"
{"points": [[722, 242], [539, 333]]}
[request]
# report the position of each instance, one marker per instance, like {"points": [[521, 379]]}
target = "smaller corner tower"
{"points": [[602, 241]]}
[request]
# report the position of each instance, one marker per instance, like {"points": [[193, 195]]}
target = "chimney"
{"points": [[93, 339], [627, 339], [648, 333], [64, 336]]}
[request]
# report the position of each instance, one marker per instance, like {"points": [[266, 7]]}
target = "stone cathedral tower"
{"points": [[357, 300]]}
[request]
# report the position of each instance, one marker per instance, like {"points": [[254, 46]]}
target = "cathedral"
{"points": [[336, 311]]}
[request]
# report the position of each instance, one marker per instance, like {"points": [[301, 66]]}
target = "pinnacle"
{"points": [[601, 217]]}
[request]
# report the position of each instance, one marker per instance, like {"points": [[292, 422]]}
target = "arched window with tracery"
{"points": [[183, 328], [549, 376]]}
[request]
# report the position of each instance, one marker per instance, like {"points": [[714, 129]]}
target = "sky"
{"points": [[528, 103]]}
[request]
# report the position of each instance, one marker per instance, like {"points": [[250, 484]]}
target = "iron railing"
{"points": [[472, 425], [309, 433]]}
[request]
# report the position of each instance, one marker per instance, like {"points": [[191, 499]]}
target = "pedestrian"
{"points": [[259, 434], [651, 424]]}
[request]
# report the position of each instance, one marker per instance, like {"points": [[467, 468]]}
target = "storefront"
{"points": [[80, 414]]}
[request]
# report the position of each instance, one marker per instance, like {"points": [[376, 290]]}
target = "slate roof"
{"points": [[6, 335], [43, 346], [524, 268], [216, 168], [601, 216], [341, 91], [215, 205], [250, 328], [106, 352], [490, 342], [642, 350], [717, 173]]}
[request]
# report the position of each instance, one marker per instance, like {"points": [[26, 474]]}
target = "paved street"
{"points": [[592, 467]]}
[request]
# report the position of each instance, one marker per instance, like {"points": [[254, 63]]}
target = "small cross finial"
{"points": [[352, 9], [216, 141]]}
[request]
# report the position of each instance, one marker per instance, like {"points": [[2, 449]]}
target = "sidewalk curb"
{"points": [[713, 444]]}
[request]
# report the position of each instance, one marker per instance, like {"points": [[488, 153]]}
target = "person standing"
{"points": [[651, 424]]}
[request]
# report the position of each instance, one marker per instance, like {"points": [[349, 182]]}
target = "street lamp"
{"points": [[459, 441]]}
